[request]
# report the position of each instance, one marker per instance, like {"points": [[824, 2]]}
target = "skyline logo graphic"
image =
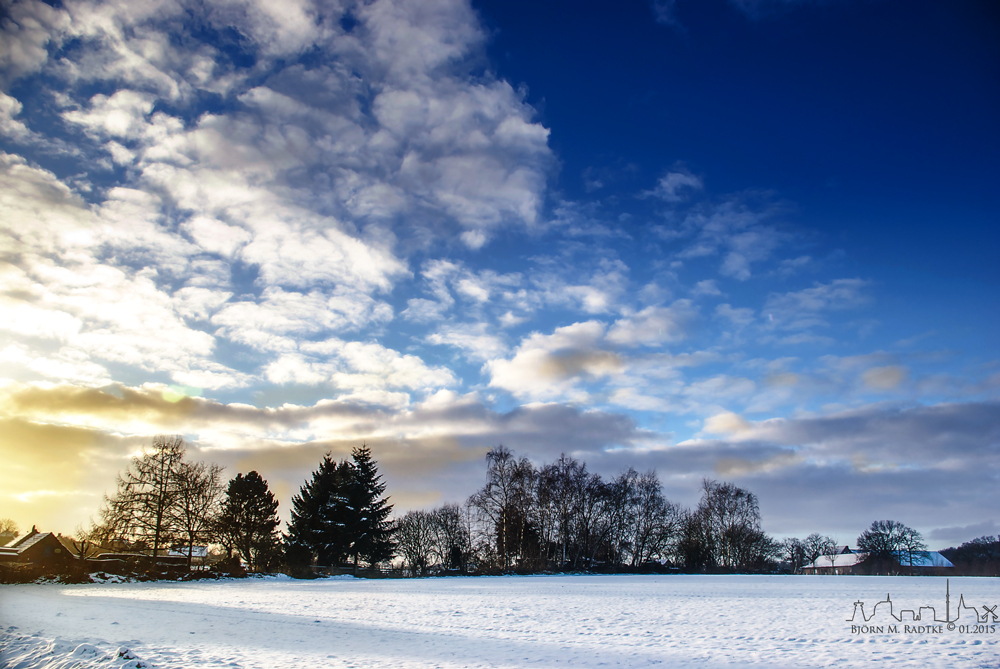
{"points": [[976, 622]]}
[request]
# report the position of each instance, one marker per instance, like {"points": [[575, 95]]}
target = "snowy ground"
{"points": [[544, 621]]}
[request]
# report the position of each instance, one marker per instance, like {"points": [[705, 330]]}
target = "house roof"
{"points": [[920, 559], [923, 559], [196, 551], [29, 540], [838, 560]]}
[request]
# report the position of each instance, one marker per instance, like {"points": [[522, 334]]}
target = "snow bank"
{"points": [[547, 621], [32, 652]]}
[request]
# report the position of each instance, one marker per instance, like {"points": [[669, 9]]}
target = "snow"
{"points": [[838, 560], [541, 621]]}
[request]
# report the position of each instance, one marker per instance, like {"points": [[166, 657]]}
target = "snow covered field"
{"points": [[542, 621]]}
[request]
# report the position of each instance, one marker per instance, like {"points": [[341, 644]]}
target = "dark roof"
{"points": [[29, 540]]}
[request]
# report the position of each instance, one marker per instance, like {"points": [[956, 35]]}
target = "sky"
{"points": [[744, 240]]}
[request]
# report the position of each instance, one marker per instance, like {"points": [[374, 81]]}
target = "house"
{"points": [[924, 562], [35, 547], [837, 563]]}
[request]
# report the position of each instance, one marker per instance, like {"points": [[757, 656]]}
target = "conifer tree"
{"points": [[368, 511], [320, 517], [249, 521]]}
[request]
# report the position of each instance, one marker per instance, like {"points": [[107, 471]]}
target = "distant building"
{"points": [[850, 562], [35, 547], [835, 563]]}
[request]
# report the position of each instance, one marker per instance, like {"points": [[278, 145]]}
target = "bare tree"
{"points": [[729, 512], [731, 518], [912, 542], [452, 539], [621, 494], [161, 500], [8, 531], [594, 519], [415, 540], [816, 545], [793, 552], [199, 493], [496, 500], [140, 515], [561, 489], [884, 541], [655, 521]]}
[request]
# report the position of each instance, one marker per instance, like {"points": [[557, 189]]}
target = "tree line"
{"points": [[524, 518], [562, 516], [165, 502]]}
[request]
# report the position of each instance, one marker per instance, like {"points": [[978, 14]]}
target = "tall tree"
{"points": [[249, 520], [199, 490], [367, 519], [730, 521], [884, 540], [141, 513], [816, 545], [881, 540], [415, 540], [319, 517], [495, 501]]}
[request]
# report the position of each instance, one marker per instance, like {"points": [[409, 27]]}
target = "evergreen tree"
{"points": [[320, 517], [367, 517], [249, 521]]}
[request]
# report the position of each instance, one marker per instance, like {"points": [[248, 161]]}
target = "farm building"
{"points": [[923, 562], [35, 547]]}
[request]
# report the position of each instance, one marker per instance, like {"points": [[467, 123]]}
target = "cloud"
{"points": [[675, 186], [442, 438], [884, 378], [725, 423], [956, 535], [474, 340], [706, 288], [924, 465], [653, 326], [272, 215], [664, 12], [735, 229], [738, 316], [549, 366], [806, 308], [757, 9]]}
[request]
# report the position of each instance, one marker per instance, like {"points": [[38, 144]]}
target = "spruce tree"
{"points": [[320, 518], [368, 520], [249, 521]]}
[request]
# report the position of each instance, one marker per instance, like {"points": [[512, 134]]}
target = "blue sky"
{"points": [[745, 240]]}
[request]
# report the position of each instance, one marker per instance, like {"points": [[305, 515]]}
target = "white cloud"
{"points": [[707, 287], [473, 339], [289, 313], [675, 186], [806, 308], [550, 366], [738, 316], [735, 229], [653, 326]]}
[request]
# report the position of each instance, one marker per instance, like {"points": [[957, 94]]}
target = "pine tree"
{"points": [[320, 517], [249, 521], [368, 520]]}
